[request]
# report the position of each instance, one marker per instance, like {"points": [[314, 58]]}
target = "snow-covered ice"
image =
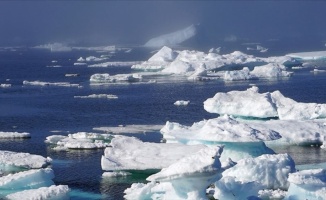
{"points": [[181, 103], [172, 38], [115, 64], [129, 153], [60, 192], [14, 135], [80, 140], [116, 174], [251, 103], [307, 184], [107, 78], [10, 159], [42, 83], [98, 96], [129, 129]]}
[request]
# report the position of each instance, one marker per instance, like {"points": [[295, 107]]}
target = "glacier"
{"points": [[174, 38]]}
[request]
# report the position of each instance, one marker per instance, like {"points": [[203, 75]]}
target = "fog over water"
{"points": [[134, 22]]}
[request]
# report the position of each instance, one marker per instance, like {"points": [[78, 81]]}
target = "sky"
{"points": [[134, 22]]}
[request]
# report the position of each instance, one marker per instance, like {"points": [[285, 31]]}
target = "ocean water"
{"points": [[50, 110]]}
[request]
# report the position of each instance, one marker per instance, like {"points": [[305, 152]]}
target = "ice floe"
{"points": [[80, 64], [129, 153], [116, 174], [98, 96], [14, 135], [187, 178], [123, 129], [42, 83], [107, 78], [10, 159], [4, 85], [52, 192], [308, 56], [181, 103], [251, 103], [115, 64], [80, 140], [172, 38]]}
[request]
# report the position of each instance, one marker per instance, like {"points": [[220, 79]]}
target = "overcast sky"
{"points": [[112, 22]]}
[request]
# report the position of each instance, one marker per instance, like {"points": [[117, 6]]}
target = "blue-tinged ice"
{"points": [[60, 192]]}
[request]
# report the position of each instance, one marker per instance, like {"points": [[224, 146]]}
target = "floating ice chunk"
{"points": [[54, 66], [172, 38], [297, 132], [3, 85], [106, 78], [94, 59], [271, 171], [81, 59], [261, 49], [111, 48], [30, 179], [187, 178], [98, 96], [307, 184], [130, 129], [237, 75], [178, 67], [23, 160], [41, 83], [53, 192], [271, 70], [80, 64], [304, 56], [80, 140], [247, 103], [14, 135], [116, 174], [116, 64], [71, 75], [128, 153], [272, 194], [181, 103]]}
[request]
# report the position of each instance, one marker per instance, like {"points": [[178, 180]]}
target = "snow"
{"points": [[14, 135], [172, 38], [80, 140], [106, 78], [307, 184], [53, 192], [187, 178], [98, 96], [129, 153], [181, 103], [22, 160], [251, 103], [42, 83]]}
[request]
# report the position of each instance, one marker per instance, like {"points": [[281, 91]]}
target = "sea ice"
{"points": [[41, 83], [129, 153], [3, 85], [307, 184], [115, 64], [181, 103], [98, 96], [251, 103], [129, 129], [14, 135], [116, 174], [54, 47], [172, 38], [106, 78], [80, 140], [24, 160], [304, 56], [60, 192], [187, 178]]}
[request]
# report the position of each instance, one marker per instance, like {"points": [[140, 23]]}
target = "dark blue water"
{"points": [[40, 110]]}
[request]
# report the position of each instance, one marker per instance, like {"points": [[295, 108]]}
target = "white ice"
{"points": [[307, 56], [129, 129], [24, 160], [181, 103], [187, 178], [60, 192], [98, 96], [307, 184], [80, 140], [172, 38], [80, 64], [107, 78], [54, 47], [129, 153], [251, 103], [115, 64], [14, 135], [116, 174], [5, 85], [42, 83]]}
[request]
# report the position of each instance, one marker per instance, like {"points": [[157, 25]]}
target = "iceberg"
{"points": [[98, 96], [122, 129], [129, 153], [80, 140], [10, 159], [42, 83], [250, 103], [308, 56], [80, 64], [187, 178], [172, 38], [4, 85], [181, 103], [307, 184], [115, 64], [106, 78], [14, 135], [60, 192]]}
